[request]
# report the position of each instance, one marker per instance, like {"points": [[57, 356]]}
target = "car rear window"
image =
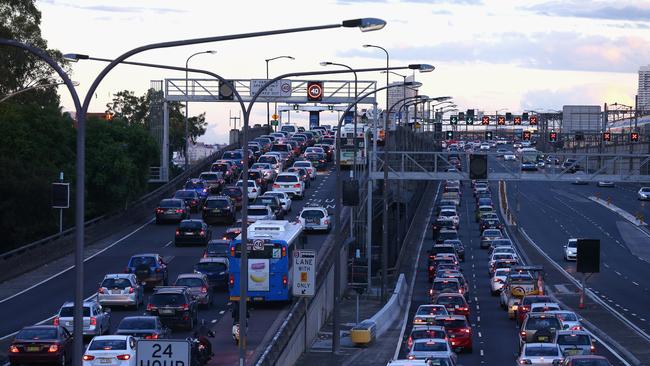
{"points": [[189, 282], [68, 311], [590, 362], [312, 214], [194, 185], [232, 155], [542, 323], [533, 299], [257, 212], [428, 333], [265, 201], [267, 159], [170, 203], [37, 333], [211, 266], [541, 351], [137, 323], [232, 191], [138, 261], [210, 176], [431, 310], [430, 346], [567, 317], [287, 179], [167, 299], [302, 165], [573, 339], [191, 225], [120, 283], [451, 323], [185, 194], [449, 286], [216, 203], [107, 345], [453, 300]]}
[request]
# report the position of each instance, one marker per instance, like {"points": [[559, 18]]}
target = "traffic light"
{"points": [[470, 113], [634, 137], [508, 116], [525, 135], [478, 166], [296, 107], [552, 136], [488, 135], [485, 120], [450, 135], [517, 120], [469, 120], [607, 136], [461, 116], [524, 116], [501, 120], [453, 120], [533, 120]]}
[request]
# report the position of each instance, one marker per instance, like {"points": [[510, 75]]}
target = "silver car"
{"points": [[569, 319], [575, 342], [259, 212], [542, 354], [121, 289], [198, 285], [284, 198], [644, 193], [431, 348], [96, 320]]}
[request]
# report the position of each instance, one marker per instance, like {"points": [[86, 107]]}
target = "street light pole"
{"points": [[268, 113], [187, 134]]}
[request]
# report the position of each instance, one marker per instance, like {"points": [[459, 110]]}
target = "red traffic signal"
{"points": [[501, 120], [533, 120], [525, 135], [517, 120], [485, 120], [634, 137], [607, 136], [552, 136]]}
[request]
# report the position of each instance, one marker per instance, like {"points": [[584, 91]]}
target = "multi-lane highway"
{"points": [[39, 303]]}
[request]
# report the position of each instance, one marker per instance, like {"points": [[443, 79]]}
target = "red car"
{"points": [[454, 302], [524, 306], [459, 332], [47, 344]]}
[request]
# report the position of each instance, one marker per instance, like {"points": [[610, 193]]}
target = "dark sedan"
{"points": [[219, 209], [215, 268], [172, 209], [192, 232], [190, 197], [235, 193], [147, 327], [41, 344]]}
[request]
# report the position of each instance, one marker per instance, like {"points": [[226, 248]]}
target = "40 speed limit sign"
{"points": [[163, 352]]}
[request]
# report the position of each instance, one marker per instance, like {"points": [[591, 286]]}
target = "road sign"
{"points": [[275, 117], [485, 120], [60, 195], [280, 88], [517, 120], [469, 119], [533, 120], [453, 120], [314, 91], [274, 122], [304, 272], [501, 120], [159, 352]]}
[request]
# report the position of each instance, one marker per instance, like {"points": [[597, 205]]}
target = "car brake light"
{"points": [[157, 270], [411, 357], [297, 185], [101, 290], [284, 251], [53, 348], [152, 336], [202, 233], [131, 290], [467, 330], [232, 250], [56, 321], [204, 290], [284, 280], [88, 357], [178, 232], [124, 357], [186, 306], [276, 185], [232, 280], [149, 307], [179, 211], [253, 190], [93, 320], [13, 349], [593, 349], [522, 333], [430, 291]]}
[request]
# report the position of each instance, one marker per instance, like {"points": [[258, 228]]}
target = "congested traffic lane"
{"points": [[43, 301]]}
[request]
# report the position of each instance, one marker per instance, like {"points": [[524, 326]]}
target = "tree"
{"points": [[20, 20]]}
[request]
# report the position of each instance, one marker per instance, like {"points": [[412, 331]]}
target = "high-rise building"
{"points": [[644, 87]]}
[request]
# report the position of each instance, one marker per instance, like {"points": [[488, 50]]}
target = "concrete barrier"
{"points": [[391, 312]]}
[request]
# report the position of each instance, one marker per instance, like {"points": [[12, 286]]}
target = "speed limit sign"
{"points": [[314, 91]]}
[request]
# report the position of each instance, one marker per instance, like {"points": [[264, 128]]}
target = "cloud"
{"points": [[630, 26], [452, 2], [114, 8], [586, 94], [547, 51], [593, 10], [441, 12]]}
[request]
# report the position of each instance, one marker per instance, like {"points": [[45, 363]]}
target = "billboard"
{"points": [[581, 118]]}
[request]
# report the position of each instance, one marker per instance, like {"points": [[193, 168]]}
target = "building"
{"points": [[644, 87]]}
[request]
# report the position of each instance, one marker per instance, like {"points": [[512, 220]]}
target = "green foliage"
{"points": [[20, 20]]}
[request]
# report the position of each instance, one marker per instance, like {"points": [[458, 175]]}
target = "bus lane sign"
{"points": [[304, 272]]}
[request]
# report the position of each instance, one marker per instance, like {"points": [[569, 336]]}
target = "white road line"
{"points": [[221, 312], [636, 284], [214, 321], [71, 267], [481, 353], [480, 335], [168, 244], [617, 272], [478, 319]]}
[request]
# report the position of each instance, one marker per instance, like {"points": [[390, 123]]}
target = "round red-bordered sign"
{"points": [[315, 91]]}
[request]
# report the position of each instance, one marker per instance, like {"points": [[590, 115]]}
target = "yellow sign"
{"points": [[417, 125], [303, 277], [275, 116]]}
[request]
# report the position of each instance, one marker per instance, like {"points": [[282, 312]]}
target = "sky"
{"points": [[489, 54]]}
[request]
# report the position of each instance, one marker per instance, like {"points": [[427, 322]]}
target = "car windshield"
{"points": [[120, 283], [428, 333], [261, 166], [542, 323], [68, 311], [167, 299], [137, 323], [216, 203], [312, 214], [302, 165], [541, 351], [107, 344], [37, 333], [430, 346], [572, 244], [287, 179], [191, 225], [189, 282], [493, 233], [431, 310], [170, 204], [447, 213], [574, 339], [257, 212], [211, 267], [139, 261]]}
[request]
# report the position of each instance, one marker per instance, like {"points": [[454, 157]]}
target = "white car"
{"points": [[315, 218], [267, 169], [426, 314], [542, 307], [644, 193], [274, 160], [112, 350], [254, 190], [260, 212], [569, 319], [284, 198], [504, 249], [517, 145], [540, 354], [509, 156], [485, 146], [605, 183], [571, 250], [450, 214], [121, 289], [431, 347], [498, 279], [308, 166], [291, 184]]}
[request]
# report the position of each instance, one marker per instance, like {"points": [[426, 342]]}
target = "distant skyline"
{"points": [[489, 54]]}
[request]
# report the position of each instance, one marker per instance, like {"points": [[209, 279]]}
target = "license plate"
{"points": [[33, 348], [189, 233], [216, 210], [542, 339], [116, 292], [166, 311], [170, 211], [258, 298], [105, 360]]}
